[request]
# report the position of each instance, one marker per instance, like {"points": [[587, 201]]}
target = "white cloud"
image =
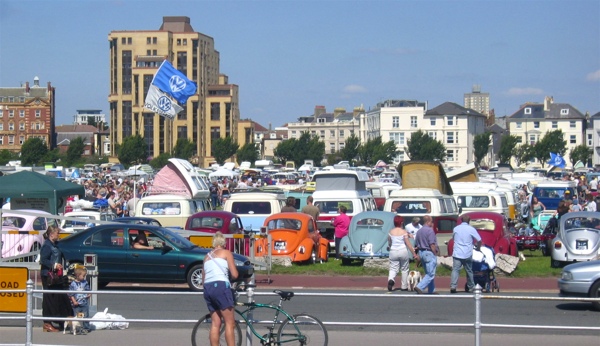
{"points": [[593, 76], [354, 89], [524, 91]]}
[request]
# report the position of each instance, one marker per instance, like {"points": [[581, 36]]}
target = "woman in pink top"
{"points": [[341, 224]]}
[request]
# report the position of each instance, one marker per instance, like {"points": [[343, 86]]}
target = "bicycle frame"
{"points": [[278, 310]]}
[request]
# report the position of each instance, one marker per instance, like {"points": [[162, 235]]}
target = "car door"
{"points": [[109, 246], [152, 265]]}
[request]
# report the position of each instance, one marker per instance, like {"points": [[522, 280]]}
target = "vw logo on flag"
{"points": [[164, 103], [176, 83]]}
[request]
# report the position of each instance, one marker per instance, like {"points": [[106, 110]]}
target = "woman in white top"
{"points": [[399, 243], [218, 266]]}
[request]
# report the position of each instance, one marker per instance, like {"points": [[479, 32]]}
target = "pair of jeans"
{"points": [[429, 261], [86, 313], [457, 265]]}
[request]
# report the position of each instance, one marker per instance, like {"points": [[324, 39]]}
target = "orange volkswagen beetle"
{"points": [[294, 235]]}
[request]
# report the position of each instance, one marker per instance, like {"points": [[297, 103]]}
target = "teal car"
{"points": [[367, 236]]}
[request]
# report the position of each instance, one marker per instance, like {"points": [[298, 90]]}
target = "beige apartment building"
{"points": [[213, 112], [533, 120], [27, 111]]}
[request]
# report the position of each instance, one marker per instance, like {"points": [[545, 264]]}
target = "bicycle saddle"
{"points": [[286, 295]]}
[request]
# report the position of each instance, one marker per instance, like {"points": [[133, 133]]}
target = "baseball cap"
{"points": [[567, 192]]}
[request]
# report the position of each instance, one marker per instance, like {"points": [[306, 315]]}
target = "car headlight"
{"points": [[239, 263], [566, 275]]}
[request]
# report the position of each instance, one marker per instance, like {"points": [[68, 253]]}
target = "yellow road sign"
{"points": [[13, 279]]}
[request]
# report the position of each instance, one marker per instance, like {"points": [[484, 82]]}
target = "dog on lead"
{"points": [[74, 325], [414, 277]]}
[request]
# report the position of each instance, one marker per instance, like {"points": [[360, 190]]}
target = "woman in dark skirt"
{"points": [[54, 304]]}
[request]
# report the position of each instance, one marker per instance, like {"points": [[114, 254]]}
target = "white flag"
{"points": [[158, 102]]}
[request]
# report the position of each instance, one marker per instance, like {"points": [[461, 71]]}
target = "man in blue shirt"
{"points": [[426, 242], [465, 236]]}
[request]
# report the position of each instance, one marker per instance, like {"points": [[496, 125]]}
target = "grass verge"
{"points": [[535, 265]]}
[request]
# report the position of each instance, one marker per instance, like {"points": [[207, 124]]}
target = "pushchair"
{"points": [[483, 269]]}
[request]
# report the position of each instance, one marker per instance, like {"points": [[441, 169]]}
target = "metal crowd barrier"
{"points": [[477, 324]]}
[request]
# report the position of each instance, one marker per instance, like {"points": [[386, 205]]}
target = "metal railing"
{"points": [[477, 325]]}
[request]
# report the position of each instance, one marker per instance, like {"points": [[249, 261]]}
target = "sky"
{"points": [[289, 56]]}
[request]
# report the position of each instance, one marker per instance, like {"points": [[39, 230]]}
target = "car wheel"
{"points": [[346, 261], [595, 293], [555, 263], [313, 257], [194, 278]]}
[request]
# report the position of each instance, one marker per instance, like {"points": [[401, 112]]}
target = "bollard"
{"points": [[29, 314], [477, 297], [250, 292]]}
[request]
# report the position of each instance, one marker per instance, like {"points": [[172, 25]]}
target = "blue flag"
{"points": [[171, 81], [556, 160]]}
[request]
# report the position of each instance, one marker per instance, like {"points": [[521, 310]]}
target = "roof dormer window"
{"points": [[528, 110], [321, 120], [564, 111]]}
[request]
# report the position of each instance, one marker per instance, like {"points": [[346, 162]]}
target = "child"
{"points": [[80, 301]]}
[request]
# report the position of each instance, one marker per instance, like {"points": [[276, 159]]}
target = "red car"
{"points": [[493, 229], [211, 221]]}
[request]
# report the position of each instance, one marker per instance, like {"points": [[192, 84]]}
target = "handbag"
{"points": [[54, 278]]}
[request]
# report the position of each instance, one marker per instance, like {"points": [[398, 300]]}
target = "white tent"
{"points": [[223, 173]]}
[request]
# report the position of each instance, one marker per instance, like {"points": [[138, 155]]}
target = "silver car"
{"points": [[581, 280], [577, 240]]}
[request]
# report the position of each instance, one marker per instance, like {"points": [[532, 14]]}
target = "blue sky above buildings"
{"points": [[289, 56]]}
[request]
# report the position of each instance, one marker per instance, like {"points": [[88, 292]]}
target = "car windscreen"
{"points": [[411, 207], [474, 201], [483, 224], [332, 207], [288, 224], [161, 208], [13, 221]]}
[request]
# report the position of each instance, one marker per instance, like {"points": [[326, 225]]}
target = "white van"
{"points": [[381, 191], [170, 210], [254, 207], [418, 202], [481, 199]]}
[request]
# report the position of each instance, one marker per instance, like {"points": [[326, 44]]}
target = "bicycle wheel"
{"points": [[304, 330], [201, 332]]}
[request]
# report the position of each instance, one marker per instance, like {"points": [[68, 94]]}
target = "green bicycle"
{"points": [[300, 329]]}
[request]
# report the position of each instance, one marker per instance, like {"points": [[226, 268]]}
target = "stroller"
{"points": [[483, 269]]}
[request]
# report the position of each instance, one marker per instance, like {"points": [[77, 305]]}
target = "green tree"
{"points": [[75, 151], [552, 142], [421, 146], [580, 153], [481, 144], [350, 151], [523, 153], [315, 152], [133, 150], [33, 151], [507, 147], [334, 158], [284, 151], [160, 161], [223, 149], [6, 156], [54, 155], [248, 152], [375, 150], [184, 149]]}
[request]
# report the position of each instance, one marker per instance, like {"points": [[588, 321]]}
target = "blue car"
{"points": [[170, 259], [367, 236]]}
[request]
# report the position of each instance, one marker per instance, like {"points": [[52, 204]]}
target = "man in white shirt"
{"points": [[414, 226], [594, 184]]}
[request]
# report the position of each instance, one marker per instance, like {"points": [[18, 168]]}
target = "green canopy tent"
{"points": [[38, 191]]}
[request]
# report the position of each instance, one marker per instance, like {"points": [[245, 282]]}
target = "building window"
{"points": [[397, 137], [38, 125], [293, 135], [342, 145], [313, 133], [413, 121], [589, 139], [22, 113], [1, 113], [11, 126], [450, 137], [11, 140], [528, 110], [536, 124], [154, 40], [432, 120], [38, 113], [11, 113], [148, 40], [322, 134], [450, 155], [331, 133], [22, 99], [11, 99], [332, 147], [564, 111], [21, 140], [395, 122], [432, 135], [572, 124], [1, 140], [185, 41], [341, 133], [1, 126], [129, 40], [450, 120], [321, 120], [123, 40], [519, 125], [555, 124], [519, 139], [215, 111], [532, 139], [573, 139], [21, 126], [179, 42]]}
